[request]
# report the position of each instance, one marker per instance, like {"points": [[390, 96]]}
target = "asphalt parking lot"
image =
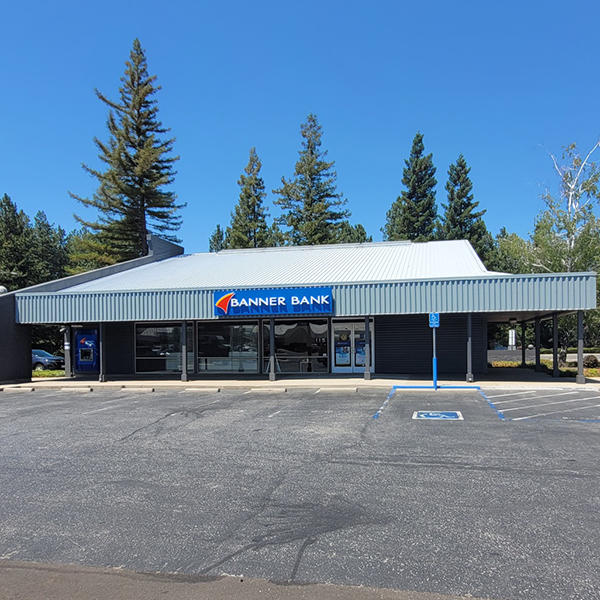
{"points": [[560, 403], [306, 487]]}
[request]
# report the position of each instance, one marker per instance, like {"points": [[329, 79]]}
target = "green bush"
{"points": [[48, 373]]}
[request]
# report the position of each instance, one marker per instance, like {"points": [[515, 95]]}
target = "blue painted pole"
{"points": [[434, 363]]}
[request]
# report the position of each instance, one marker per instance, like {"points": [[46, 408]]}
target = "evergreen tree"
{"points": [[131, 198], [16, 257], [413, 215], [248, 227], [311, 206], [49, 247], [461, 220], [276, 237], [353, 234], [216, 241]]}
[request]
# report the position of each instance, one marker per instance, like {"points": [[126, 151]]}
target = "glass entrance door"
{"points": [[349, 347]]}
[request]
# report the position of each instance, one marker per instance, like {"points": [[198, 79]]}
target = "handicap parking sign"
{"points": [[438, 415], [434, 320]]}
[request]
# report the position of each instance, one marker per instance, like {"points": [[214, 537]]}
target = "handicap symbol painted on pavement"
{"points": [[440, 415]]}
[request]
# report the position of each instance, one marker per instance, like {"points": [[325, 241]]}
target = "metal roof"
{"points": [[298, 265], [366, 279]]}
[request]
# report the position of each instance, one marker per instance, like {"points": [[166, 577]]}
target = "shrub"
{"points": [[590, 362]]}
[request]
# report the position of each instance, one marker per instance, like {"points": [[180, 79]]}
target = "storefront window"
{"points": [[300, 346], [158, 348], [228, 347]]}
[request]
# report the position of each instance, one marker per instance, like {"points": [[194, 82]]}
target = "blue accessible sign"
{"points": [[434, 320], [439, 415]]}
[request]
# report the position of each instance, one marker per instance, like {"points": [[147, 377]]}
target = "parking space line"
{"points": [[273, 414], [512, 394], [536, 397], [555, 412], [548, 404]]}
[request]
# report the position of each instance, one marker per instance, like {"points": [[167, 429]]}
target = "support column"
{"points": [[523, 346], [184, 371], [555, 370], [580, 378], [470, 377], [67, 349], [538, 335], [102, 354], [367, 349], [271, 349]]}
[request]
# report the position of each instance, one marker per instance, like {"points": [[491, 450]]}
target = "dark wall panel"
{"points": [[120, 349], [403, 344], [15, 343]]}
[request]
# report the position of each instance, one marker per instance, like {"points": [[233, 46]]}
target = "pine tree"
{"points": [[49, 247], [131, 198], [216, 242], [16, 257], [353, 234], [461, 220], [248, 227], [311, 206], [413, 215]]}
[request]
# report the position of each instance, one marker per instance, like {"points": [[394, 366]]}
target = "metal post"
{"points": [[184, 371], [538, 335], [367, 349], [67, 350], [523, 346], [434, 362], [580, 375], [271, 349], [470, 377], [102, 352], [555, 369]]}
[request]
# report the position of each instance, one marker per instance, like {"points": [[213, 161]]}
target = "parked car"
{"points": [[42, 360]]}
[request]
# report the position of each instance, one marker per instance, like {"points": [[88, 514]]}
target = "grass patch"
{"points": [[568, 371], [48, 373]]}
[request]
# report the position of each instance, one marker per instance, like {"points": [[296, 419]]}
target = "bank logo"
{"points": [[223, 302], [283, 301]]}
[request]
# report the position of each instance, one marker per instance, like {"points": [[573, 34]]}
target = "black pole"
{"points": [[580, 375], [184, 371], [67, 350], [523, 346], [555, 369], [538, 337], [470, 377], [271, 349], [101, 349], [367, 349]]}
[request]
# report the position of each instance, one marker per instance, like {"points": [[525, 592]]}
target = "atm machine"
{"points": [[86, 351]]}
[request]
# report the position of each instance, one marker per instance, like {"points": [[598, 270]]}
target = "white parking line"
{"points": [[513, 394], [535, 397], [555, 412], [89, 412], [548, 404], [275, 413]]}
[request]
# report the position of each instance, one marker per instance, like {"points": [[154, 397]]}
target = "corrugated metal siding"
{"points": [[403, 344], [486, 294]]}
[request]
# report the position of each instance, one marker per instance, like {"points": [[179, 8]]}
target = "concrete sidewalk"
{"points": [[499, 378], [36, 581]]}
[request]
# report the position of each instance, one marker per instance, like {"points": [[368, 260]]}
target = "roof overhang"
{"points": [[494, 294]]}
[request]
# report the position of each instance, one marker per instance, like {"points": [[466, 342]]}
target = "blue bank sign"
{"points": [[287, 301]]}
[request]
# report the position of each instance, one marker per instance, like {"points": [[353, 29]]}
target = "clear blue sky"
{"points": [[504, 83]]}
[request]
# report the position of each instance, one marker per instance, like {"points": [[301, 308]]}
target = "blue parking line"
{"points": [[500, 415], [439, 387], [382, 407]]}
